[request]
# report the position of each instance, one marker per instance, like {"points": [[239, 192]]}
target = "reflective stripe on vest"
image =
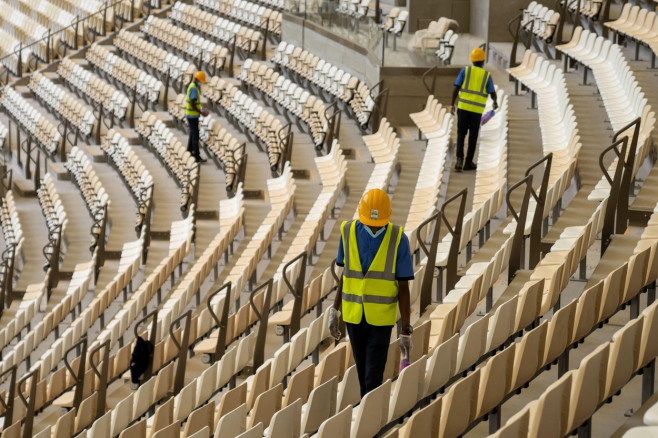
{"points": [[189, 110], [473, 93], [374, 293]]}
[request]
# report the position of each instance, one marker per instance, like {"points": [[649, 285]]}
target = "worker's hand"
{"points": [[452, 110], [205, 112], [495, 106], [334, 317], [405, 346]]}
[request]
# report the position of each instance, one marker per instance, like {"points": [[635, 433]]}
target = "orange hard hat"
{"points": [[200, 76], [478, 55], [375, 208]]}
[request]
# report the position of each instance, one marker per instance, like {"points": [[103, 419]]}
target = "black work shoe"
{"points": [[459, 166], [200, 160], [470, 166]]}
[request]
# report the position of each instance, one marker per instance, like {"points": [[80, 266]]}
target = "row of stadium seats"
{"points": [[434, 122], [246, 112], [172, 153], [216, 27], [570, 401], [31, 120], [223, 146], [67, 107], [540, 20], [251, 14], [132, 171], [211, 54], [125, 72], [152, 55], [296, 100], [25, 30], [637, 23], [104, 94], [354, 8], [327, 77], [588, 8], [49, 16], [88, 8], [10, 222]]}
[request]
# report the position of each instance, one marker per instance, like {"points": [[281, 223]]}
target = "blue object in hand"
{"points": [[486, 117]]}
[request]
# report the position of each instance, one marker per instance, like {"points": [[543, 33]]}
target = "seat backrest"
{"points": [[321, 405], [459, 405], [266, 405], [286, 422], [408, 389], [442, 365], [622, 359], [202, 418], [300, 385], [588, 386], [233, 423], [372, 413], [338, 425]]}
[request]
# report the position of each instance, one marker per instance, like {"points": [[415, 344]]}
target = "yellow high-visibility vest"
{"points": [[374, 293], [473, 93], [189, 109]]}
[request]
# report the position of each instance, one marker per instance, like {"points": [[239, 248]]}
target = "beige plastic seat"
{"points": [[587, 387], [459, 406], [267, 404], [408, 389], [549, 413], [559, 332], [233, 423], [622, 359], [441, 365], [372, 412], [528, 357], [254, 432], [286, 422], [201, 418], [516, 426], [349, 392], [321, 406], [494, 379]]}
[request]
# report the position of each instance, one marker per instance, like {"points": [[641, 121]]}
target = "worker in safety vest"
{"points": [[473, 85], [377, 268], [192, 112]]}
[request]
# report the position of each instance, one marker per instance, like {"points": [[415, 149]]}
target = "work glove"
{"points": [[334, 321], [405, 346], [452, 110], [205, 112], [495, 106]]}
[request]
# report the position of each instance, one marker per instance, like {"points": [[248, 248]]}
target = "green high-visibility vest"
{"points": [[473, 93], [189, 109], [374, 293]]}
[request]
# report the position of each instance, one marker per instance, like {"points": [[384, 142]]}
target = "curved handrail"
{"points": [[526, 180], [462, 193], [613, 147]]}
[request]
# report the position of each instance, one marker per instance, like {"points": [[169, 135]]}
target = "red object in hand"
{"points": [[205, 112]]}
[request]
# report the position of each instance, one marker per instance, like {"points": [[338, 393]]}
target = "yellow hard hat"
{"points": [[478, 55], [200, 76], [375, 208]]}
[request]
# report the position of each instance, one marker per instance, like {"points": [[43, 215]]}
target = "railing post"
{"points": [[615, 182], [520, 217], [263, 316], [100, 123], [221, 321], [265, 35], [456, 232], [297, 292], [165, 102], [101, 387], [179, 379], [79, 375], [232, 42], [536, 227], [11, 395], [28, 158], [428, 275], [33, 377]]}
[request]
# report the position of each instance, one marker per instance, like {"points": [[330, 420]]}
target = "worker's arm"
{"points": [[455, 93], [195, 105], [403, 301], [339, 294], [494, 97]]}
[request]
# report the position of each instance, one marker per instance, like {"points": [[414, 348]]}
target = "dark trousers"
{"points": [[467, 123], [370, 350], [193, 141]]}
